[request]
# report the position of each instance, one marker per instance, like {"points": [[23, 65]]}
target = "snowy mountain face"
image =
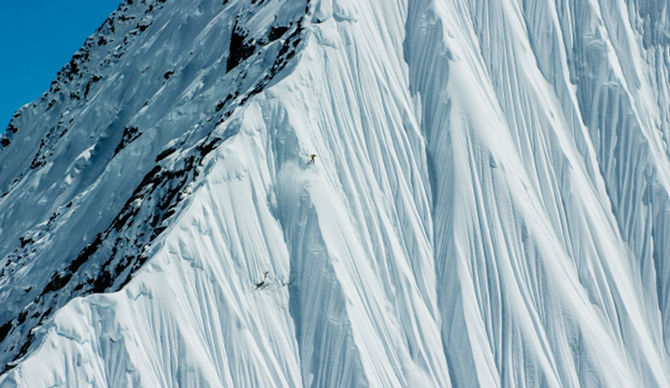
{"points": [[489, 204]]}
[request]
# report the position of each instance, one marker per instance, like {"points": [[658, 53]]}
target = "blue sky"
{"points": [[37, 38]]}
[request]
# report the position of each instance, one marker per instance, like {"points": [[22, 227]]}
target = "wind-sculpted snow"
{"points": [[121, 154], [545, 152], [489, 204]]}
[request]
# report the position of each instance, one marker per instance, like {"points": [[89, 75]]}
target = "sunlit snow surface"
{"points": [[489, 205]]}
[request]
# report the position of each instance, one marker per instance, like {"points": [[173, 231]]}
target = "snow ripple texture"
{"points": [[489, 205]]}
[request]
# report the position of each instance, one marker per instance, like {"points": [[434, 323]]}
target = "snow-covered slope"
{"points": [[489, 206]]}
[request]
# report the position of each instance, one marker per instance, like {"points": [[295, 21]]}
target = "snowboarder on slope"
{"points": [[313, 160]]}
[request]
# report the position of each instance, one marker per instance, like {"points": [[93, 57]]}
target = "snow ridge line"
{"points": [[144, 217]]}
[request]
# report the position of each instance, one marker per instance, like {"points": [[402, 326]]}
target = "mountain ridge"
{"points": [[488, 205]]}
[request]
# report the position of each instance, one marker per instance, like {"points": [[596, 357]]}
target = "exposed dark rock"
{"points": [[90, 83], [22, 316], [4, 330], [165, 153], [83, 256], [143, 25], [276, 33], [112, 258], [239, 49], [57, 282], [130, 134], [25, 241]]}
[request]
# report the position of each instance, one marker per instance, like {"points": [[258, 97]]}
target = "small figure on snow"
{"points": [[313, 160], [263, 282]]}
